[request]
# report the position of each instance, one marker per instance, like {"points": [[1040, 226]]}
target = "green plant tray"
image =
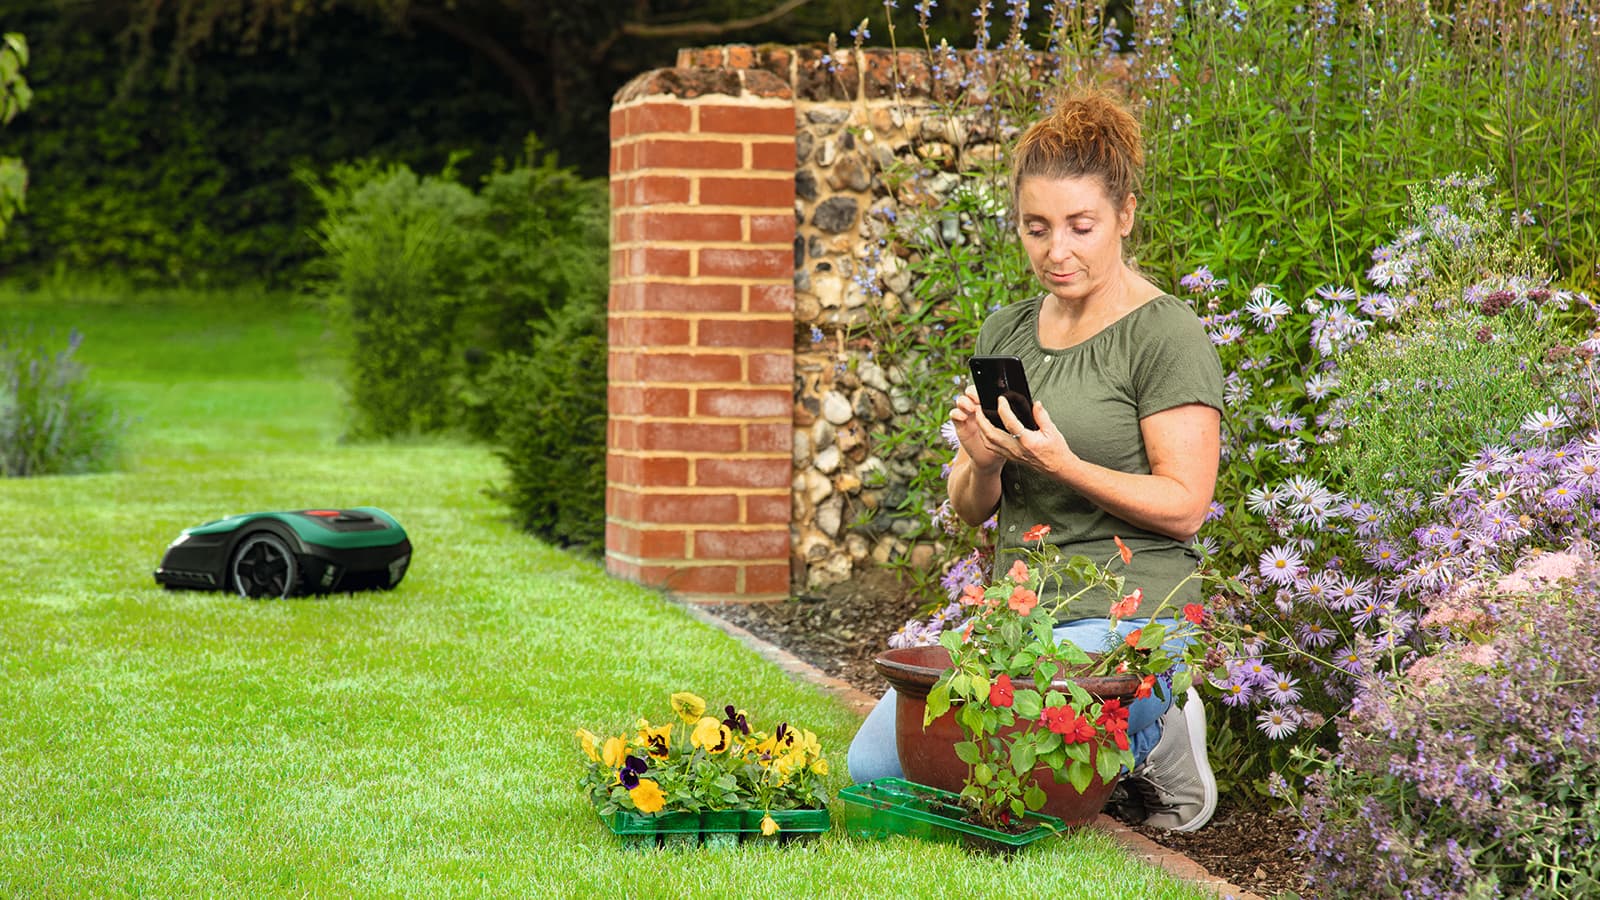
{"points": [[891, 806], [715, 829]]}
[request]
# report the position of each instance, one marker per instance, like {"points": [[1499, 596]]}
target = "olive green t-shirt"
{"points": [[1153, 359]]}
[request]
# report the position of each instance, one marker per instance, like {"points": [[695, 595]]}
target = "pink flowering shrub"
{"points": [[1477, 772]]}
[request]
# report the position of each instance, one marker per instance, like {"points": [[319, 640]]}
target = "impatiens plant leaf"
{"points": [[1027, 703], [967, 752]]}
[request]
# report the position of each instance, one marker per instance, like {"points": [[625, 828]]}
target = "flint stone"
{"points": [[827, 461], [830, 516], [836, 215], [836, 408]]}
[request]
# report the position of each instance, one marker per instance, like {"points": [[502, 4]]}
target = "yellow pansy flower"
{"points": [[614, 752], [820, 766], [647, 797], [587, 738], [688, 706], [769, 825], [710, 735], [658, 738]]}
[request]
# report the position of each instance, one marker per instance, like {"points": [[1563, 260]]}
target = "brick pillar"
{"points": [[699, 438]]}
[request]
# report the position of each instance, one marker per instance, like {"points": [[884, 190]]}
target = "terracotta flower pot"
{"points": [[928, 756]]}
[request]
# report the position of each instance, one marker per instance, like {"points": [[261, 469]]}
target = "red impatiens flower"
{"points": [[1000, 692], [1063, 720], [1023, 601], [1132, 640], [1113, 715], [1146, 685], [1019, 572], [971, 595], [1127, 555], [1128, 605], [1036, 533], [1195, 613]]}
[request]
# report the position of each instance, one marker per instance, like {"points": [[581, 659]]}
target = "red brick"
{"points": [[659, 153], [648, 331], [765, 509], [648, 400], [688, 437], [648, 544], [664, 297], [648, 471], [656, 118], [618, 119], [743, 404], [772, 229], [775, 155], [771, 368], [769, 438], [622, 434], [771, 298], [619, 260], [621, 568], [619, 195], [769, 544], [743, 473], [624, 156], [650, 189], [622, 505], [739, 56], [662, 368], [760, 192], [659, 226], [759, 333], [737, 263], [644, 261], [765, 120], [689, 509], [691, 579], [769, 579], [622, 366]]}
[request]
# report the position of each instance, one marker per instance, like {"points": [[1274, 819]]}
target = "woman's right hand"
{"points": [[979, 438]]}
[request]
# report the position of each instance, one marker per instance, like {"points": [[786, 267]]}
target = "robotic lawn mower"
{"points": [[280, 554]]}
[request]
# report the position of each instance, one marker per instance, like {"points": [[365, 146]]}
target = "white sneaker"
{"points": [[1175, 781]]}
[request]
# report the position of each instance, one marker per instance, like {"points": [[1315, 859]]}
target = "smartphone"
{"points": [[1002, 376]]}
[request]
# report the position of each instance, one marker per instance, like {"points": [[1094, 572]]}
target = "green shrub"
{"points": [[480, 312], [552, 430], [51, 421], [397, 250]]}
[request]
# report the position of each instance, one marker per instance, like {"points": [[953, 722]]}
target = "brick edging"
{"points": [[861, 702]]}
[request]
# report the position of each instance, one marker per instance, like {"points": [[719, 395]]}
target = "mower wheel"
{"points": [[263, 566]]}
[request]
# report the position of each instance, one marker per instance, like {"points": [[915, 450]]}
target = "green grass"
{"points": [[417, 742]]}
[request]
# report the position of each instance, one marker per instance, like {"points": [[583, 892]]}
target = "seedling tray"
{"points": [[715, 829], [891, 806]]}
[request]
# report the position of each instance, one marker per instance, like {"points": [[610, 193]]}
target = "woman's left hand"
{"points": [[1043, 449]]}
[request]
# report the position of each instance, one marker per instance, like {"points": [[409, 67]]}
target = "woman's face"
{"points": [[1073, 234]]}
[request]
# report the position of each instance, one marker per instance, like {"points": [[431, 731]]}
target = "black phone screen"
{"points": [[1003, 376]]}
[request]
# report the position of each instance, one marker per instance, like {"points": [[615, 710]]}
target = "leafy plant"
{"points": [[1473, 775], [51, 421], [1005, 661], [702, 763], [551, 411], [15, 96]]}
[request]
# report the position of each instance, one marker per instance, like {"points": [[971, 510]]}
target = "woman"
{"points": [[1127, 395]]}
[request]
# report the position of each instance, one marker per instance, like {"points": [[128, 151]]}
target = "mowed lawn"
{"points": [[417, 742]]}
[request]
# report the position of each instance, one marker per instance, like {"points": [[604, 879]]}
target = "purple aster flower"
{"points": [[1280, 564], [1383, 556], [1350, 660], [1366, 614], [1336, 293], [1541, 424], [1315, 634], [1317, 588], [1265, 308], [1201, 280], [948, 432], [1234, 692], [1279, 722], [1264, 500], [1226, 334], [1256, 672], [1319, 386]]}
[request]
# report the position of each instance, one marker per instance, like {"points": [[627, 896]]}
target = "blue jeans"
{"points": [[873, 753]]}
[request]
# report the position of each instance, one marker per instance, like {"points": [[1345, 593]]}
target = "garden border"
{"points": [[860, 702]]}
